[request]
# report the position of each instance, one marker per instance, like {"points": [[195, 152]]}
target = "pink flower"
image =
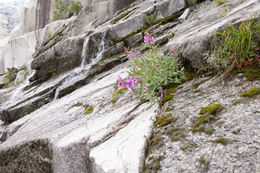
{"points": [[131, 82], [133, 56], [152, 40], [130, 53], [148, 39], [120, 82]]}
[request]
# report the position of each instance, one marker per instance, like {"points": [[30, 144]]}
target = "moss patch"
{"points": [[169, 93], [196, 85], [116, 94], [188, 146], [164, 120], [250, 93], [212, 109], [236, 102], [204, 162], [222, 140], [156, 166], [251, 73], [196, 91], [207, 118], [89, 110], [176, 133]]}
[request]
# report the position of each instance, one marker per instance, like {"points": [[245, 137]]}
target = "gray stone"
{"points": [[62, 57], [21, 76]]}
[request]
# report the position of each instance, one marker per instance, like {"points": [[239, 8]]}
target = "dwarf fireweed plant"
{"points": [[151, 72], [235, 46]]}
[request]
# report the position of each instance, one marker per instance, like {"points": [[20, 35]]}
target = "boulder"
{"points": [[64, 56]]}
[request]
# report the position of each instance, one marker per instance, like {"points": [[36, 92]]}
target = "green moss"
{"points": [[78, 105], [196, 91], [116, 94], [196, 85], [235, 102], [251, 73], [176, 133], [203, 119], [164, 120], [212, 109], [203, 123], [191, 75], [191, 3], [167, 98], [221, 140], [188, 146], [204, 162], [89, 110], [156, 166], [220, 2], [155, 140], [169, 93], [209, 130], [250, 93]]}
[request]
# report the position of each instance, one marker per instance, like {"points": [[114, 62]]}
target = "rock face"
{"points": [[63, 119]]}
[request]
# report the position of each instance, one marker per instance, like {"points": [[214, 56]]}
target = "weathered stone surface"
{"points": [[176, 153], [32, 157]]}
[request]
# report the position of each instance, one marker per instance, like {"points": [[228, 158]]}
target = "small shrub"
{"points": [[150, 19], [151, 73], [235, 46], [64, 10]]}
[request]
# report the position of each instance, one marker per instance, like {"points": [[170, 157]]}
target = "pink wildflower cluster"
{"points": [[130, 83], [148, 39], [130, 53]]}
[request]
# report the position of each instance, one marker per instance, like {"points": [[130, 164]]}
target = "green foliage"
{"points": [[220, 2], [234, 45], [64, 10], [150, 19], [250, 93], [155, 71]]}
